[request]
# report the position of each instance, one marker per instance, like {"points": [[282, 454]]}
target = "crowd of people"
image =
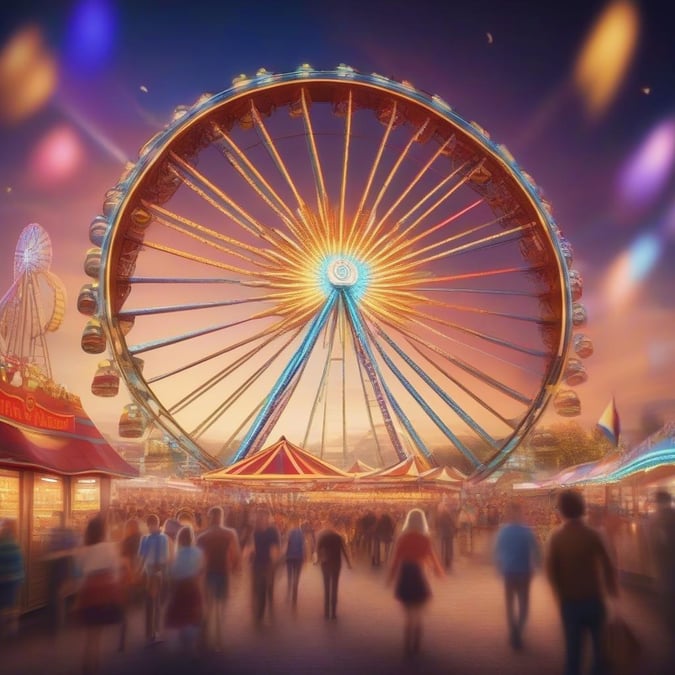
{"points": [[179, 560]]}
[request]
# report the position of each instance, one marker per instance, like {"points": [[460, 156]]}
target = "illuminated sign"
{"points": [[27, 410]]}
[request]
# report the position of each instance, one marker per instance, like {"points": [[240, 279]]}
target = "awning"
{"points": [[61, 453]]}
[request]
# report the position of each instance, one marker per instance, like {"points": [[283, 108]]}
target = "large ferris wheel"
{"points": [[32, 306], [339, 258]]}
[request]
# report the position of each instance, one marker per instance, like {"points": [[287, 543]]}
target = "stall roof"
{"points": [[282, 460], [59, 452], [410, 467]]}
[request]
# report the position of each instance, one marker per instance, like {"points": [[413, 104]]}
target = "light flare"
{"points": [[606, 55], [649, 169]]}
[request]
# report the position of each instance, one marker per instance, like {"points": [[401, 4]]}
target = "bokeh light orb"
{"points": [[91, 35], [57, 157], [28, 76], [649, 169], [606, 55]]}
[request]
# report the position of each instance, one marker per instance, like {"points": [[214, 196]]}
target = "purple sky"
{"points": [[515, 83]]}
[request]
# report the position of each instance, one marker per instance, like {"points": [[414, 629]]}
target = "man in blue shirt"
{"points": [[516, 554], [154, 557]]}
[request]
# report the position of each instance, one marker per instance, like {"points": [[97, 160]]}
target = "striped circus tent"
{"points": [[282, 461], [444, 474]]}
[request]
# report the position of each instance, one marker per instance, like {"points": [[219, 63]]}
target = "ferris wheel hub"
{"points": [[342, 272]]}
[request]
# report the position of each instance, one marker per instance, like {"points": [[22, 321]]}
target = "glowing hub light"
{"points": [[344, 272], [606, 55], [648, 171]]}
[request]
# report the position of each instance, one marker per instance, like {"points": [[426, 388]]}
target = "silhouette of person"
{"points": [[330, 549], [516, 554], [579, 569], [412, 553], [295, 557], [266, 547], [11, 577], [221, 557]]}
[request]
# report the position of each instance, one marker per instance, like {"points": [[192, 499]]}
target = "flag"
{"points": [[609, 423]]}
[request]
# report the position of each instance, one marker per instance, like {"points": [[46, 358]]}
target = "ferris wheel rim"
{"points": [[163, 143]]}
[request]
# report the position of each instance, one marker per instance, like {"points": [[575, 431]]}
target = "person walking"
{"points": [[222, 556], [446, 530], [185, 607], [264, 557], [99, 599], [580, 571], [516, 554], [129, 547], [330, 549], [154, 557], [413, 553], [295, 557]]}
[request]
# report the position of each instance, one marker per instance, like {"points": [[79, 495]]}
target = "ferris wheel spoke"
{"points": [[428, 410], [307, 234], [272, 333], [464, 177], [417, 134], [480, 400], [239, 391], [213, 195], [382, 395], [399, 243], [345, 164], [294, 366], [360, 229], [168, 309], [243, 165], [469, 275], [241, 427], [479, 291], [361, 333], [472, 347], [209, 262], [371, 421], [158, 344], [482, 336], [321, 388], [498, 238], [320, 186], [443, 395], [194, 230], [463, 365], [443, 148]]}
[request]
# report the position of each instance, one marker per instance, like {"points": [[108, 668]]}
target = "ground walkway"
{"points": [[465, 633]]}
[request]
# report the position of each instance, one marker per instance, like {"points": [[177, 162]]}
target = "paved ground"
{"points": [[465, 633]]}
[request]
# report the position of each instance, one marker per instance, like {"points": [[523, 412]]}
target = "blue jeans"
{"points": [[578, 618]]}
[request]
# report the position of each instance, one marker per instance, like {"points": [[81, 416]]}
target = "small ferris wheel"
{"points": [[34, 304]]}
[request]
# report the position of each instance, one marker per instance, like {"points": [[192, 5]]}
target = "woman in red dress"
{"points": [[412, 555]]}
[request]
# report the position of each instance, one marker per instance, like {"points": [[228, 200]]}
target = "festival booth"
{"points": [[54, 466], [280, 471], [621, 486]]}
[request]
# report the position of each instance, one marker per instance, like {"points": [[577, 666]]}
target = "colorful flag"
{"points": [[609, 423]]}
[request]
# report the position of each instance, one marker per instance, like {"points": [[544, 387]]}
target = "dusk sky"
{"points": [[590, 116]]}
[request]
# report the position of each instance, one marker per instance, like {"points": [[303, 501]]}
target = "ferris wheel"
{"points": [[33, 306], [339, 258]]}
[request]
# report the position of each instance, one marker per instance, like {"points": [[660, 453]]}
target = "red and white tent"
{"points": [[282, 461]]}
